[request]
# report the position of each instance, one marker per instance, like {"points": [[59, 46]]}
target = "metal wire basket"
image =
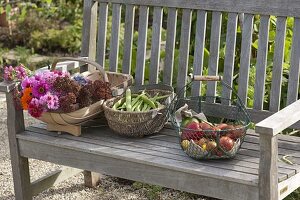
{"points": [[207, 129]]}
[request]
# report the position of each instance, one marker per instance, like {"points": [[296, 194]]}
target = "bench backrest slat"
{"points": [[295, 64], [214, 53], [171, 54], [277, 64], [229, 56], [170, 45], [155, 44], [142, 43], [184, 48], [128, 36], [245, 57], [266, 7], [199, 50], [102, 27], [114, 40], [261, 62]]}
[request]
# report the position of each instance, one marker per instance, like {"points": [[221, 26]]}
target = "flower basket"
{"points": [[71, 122], [141, 123], [203, 132]]}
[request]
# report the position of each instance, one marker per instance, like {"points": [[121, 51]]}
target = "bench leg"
{"points": [[20, 167], [91, 179], [20, 170]]}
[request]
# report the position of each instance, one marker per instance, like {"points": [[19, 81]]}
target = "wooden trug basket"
{"points": [[72, 122]]}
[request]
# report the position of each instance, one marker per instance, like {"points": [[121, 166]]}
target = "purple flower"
{"points": [[51, 101], [26, 83], [21, 73], [39, 88], [8, 73]]}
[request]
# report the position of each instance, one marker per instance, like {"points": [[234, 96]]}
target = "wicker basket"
{"points": [[139, 124], [71, 122], [205, 132]]}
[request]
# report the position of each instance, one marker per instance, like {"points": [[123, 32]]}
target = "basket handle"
{"points": [[84, 60], [205, 78]]}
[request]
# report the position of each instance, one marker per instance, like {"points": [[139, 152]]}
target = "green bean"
{"points": [[128, 100], [148, 101], [144, 107], [137, 108], [118, 103], [137, 104]]}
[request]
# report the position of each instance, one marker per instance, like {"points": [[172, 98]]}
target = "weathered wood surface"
{"points": [[268, 167], [20, 166], [199, 50], [293, 87], [166, 145], [275, 93], [102, 29], [280, 120], [155, 45], [128, 36], [114, 40], [184, 49], [170, 46], [214, 53], [245, 57], [142, 45], [6, 87], [261, 64], [160, 152], [229, 56], [267, 7], [52, 179]]}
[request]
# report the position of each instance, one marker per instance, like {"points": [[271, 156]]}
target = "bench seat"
{"points": [[158, 159]]}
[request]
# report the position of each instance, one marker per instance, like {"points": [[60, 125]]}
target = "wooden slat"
{"points": [[89, 33], [19, 164], [229, 56], [152, 174], [155, 45], [142, 43], [293, 86], [268, 168], [124, 153], [6, 87], [114, 40], [245, 57], [154, 145], [184, 49], [199, 50], [52, 179], [277, 64], [261, 64], [102, 29], [129, 25], [267, 7], [280, 120], [167, 141], [86, 27], [288, 186], [170, 46], [214, 52]]}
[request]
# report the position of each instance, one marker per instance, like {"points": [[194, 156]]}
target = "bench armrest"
{"points": [[280, 120], [7, 86]]}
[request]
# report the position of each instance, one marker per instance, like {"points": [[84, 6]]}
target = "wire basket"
{"points": [[206, 128], [142, 123]]}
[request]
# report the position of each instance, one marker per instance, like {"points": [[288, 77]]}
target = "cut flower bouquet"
{"points": [[54, 91]]}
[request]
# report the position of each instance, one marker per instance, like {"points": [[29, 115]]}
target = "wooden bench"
{"points": [[257, 172]]}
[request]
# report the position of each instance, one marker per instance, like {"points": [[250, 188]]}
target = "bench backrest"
{"points": [[95, 28]]}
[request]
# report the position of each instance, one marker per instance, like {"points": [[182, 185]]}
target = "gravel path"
{"points": [[110, 188]]}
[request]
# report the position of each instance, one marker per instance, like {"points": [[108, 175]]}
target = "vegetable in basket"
{"points": [[138, 102]]}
